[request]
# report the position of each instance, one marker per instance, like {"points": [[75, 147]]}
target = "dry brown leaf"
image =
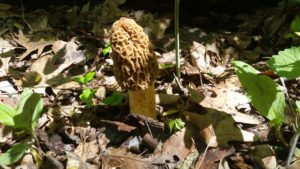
{"points": [[31, 46], [174, 149], [121, 158], [207, 58], [227, 100], [223, 128], [51, 66]]}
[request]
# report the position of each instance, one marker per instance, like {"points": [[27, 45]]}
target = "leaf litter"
{"points": [[222, 129]]}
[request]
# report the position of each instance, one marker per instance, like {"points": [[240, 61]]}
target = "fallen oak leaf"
{"points": [[31, 46], [221, 125]]}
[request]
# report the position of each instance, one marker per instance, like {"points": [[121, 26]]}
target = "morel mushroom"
{"points": [[135, 65]]}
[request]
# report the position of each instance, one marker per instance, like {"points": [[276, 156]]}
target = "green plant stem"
{"points": [[280, 137], [177, 40], [293, 144]]}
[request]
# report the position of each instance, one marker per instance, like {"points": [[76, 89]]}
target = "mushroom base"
{"points": [[143, 102]]}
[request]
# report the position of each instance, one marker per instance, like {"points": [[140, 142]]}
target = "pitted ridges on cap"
{"points": [[134, 60]]}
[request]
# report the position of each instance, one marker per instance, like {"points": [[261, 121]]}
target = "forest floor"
{"points": [[204, 118]]}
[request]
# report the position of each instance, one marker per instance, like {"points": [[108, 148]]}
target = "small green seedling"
{"points": [[107, 49], [116, 99], [84, 79], [175, 124], [87, 96], [24, 117]]}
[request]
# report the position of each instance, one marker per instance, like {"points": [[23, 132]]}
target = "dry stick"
{"points": [[23, 16], [177, 45]]}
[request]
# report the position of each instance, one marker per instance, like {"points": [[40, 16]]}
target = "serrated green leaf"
{"points": [[295, 25], [6, 115], [175, 124], [79, 79], [29, 110], [89, 76], [286, 63], [13, 154], [115, 99], [265, 95]]}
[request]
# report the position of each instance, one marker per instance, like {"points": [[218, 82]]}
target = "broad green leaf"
{"points": [[264, 93], [115, 99], [89, 76], [23, 98], [79, 79], [13, 154], [295, 25], [29, 110], [6, 115], [286, 63]]}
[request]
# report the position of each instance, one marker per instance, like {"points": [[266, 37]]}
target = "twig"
{"points": [[23, 16], [177, 41], [294, 141]]}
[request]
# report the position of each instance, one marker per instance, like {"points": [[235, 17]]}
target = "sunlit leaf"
{"points": [[79, 79], [166, 65], [13, 154], [175, 124], [6, 115], [265, 95], [29, 110], [84, 79], [298, 106], [286, 63], [89, 76], [107, 49]]}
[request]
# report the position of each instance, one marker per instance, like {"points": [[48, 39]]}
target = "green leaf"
{"points": [[29, 110], [89, 76], [295, 25], [298, 106], [107, 49], [265, 95], [13, 154], [84, 79], [6, 115], [115, 99], [87, 95], [166, 65], [175, 124], [286, 63], [79, 79]]}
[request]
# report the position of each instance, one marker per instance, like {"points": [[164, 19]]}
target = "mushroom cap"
{"points": [[135, 64]]}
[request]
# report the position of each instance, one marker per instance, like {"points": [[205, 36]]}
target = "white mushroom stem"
{"points": [[143, 102]]}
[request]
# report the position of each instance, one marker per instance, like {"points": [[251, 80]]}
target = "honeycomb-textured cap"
{"points": [[135, 64]]}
